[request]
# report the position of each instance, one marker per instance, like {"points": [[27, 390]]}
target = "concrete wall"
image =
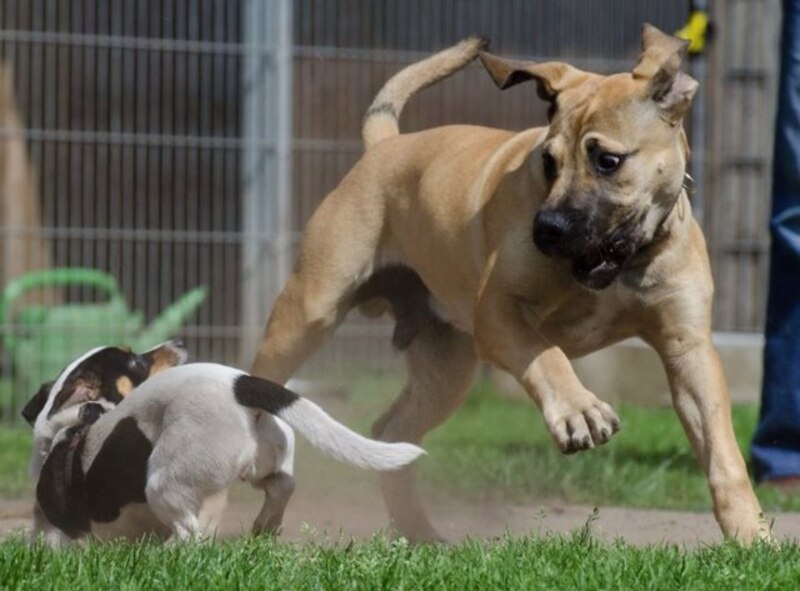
{"points": [[631, 371]]}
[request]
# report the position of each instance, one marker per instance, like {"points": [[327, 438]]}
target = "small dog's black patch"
{"points": [[61, 490], [254, 392], [118, 475]]}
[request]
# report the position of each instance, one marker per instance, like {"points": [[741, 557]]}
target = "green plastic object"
{"points": [[42, 340]]}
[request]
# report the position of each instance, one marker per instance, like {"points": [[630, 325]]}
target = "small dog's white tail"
{"points": [[381, 120], [334, 439], [320, 429]]}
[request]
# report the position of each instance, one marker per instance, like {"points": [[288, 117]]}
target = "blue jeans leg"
{"points": [[776, 444]]}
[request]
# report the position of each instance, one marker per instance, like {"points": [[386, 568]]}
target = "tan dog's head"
{"points": [[614, 156], [104, 375]]}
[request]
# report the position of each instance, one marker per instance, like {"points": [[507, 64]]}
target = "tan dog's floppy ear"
{"points": [[551, 77], [660, 65]]}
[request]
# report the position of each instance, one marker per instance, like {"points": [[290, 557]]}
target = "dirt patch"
{"points": [[14, 516], [334, 500], [311, 516], [360, 514]]}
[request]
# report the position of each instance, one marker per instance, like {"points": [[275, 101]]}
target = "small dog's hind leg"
{"points": [[187, 528], [441, 363], [211, 513], [278, 489], [177, 507], [274, 472]]}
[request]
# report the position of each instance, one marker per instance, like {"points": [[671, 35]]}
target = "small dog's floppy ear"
{"points": [[551, 77], [35, 405], [74, 392], [660, 65], [164, 356]]}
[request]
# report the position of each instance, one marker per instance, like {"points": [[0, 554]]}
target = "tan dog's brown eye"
{"points": [[606, 162], [550, 167]]}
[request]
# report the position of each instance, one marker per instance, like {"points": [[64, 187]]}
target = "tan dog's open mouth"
{"points": [[601, 266]]}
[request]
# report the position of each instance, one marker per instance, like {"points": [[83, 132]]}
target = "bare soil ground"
{"points": [[335, 513], [334, 502]]}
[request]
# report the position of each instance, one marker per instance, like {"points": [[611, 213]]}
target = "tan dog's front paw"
{"points": [[586, 423], [742, 520]]}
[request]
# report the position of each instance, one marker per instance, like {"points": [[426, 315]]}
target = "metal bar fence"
{"points": [[177, 144]]}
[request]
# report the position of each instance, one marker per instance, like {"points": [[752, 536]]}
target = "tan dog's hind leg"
{"points": [[701, 399], [338, 251], [441, 365]]}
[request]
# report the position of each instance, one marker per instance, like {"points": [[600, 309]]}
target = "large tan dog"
{"points": [[540, 246]]}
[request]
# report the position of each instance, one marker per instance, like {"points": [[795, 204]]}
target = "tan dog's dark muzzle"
{"points": [[569, 233], [601, 265], [551, 232]]}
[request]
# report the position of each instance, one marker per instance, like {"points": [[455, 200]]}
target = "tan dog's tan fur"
{"points": [[457, 203]]}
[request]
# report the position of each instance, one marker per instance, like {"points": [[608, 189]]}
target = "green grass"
{"points": [[494, 445], [15, 451], [574, 562], [500, 448]]}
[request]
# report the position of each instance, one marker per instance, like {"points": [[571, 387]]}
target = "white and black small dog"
{"points": [[161, 461], [104, 375]]}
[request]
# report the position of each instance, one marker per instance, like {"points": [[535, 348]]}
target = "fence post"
{"points": [[283, 147], [267, 168]]}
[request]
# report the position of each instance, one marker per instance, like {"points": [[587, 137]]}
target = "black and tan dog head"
{"points": [[104, 375], [614, 156]]}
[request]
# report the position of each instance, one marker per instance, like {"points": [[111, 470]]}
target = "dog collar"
{"points": [[688, 185]]}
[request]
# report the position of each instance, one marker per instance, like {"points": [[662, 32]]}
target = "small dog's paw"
{"points": [[586, 423]]}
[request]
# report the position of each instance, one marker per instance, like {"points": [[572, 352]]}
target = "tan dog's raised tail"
{"points": [[539, 245]]}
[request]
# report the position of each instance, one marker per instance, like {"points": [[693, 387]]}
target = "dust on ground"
{"points": [[356, 511], [338, 502]]}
